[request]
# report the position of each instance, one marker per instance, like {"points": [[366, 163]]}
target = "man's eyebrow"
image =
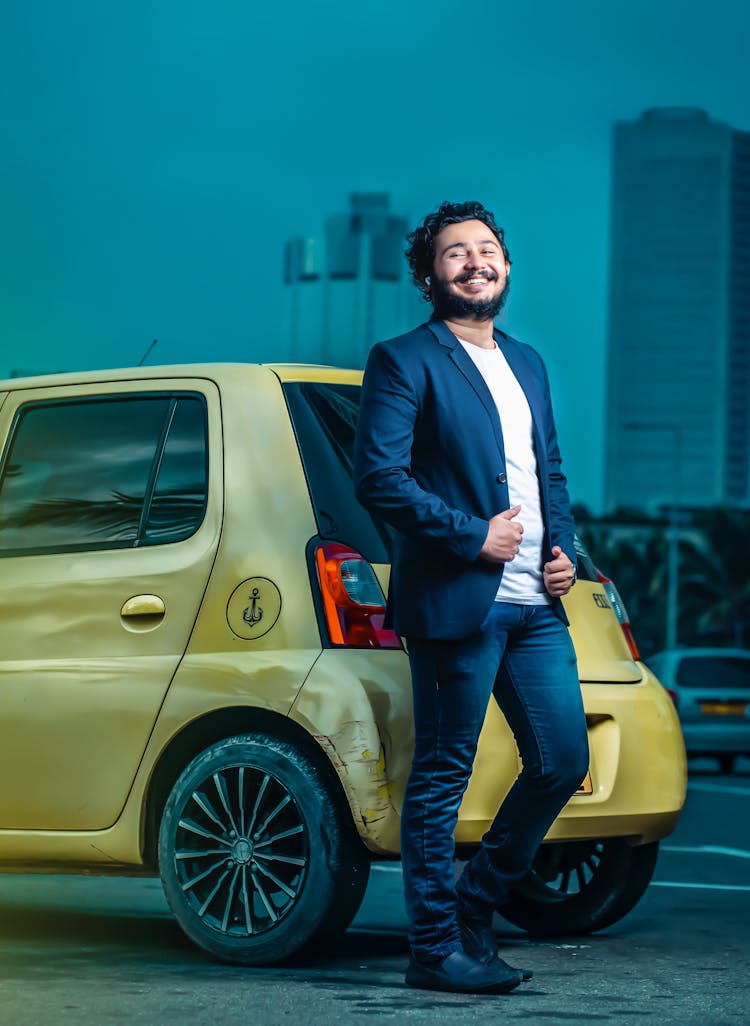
{"points": [[481, 242]]}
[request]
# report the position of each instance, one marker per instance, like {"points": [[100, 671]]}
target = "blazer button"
{"points": [[501, 479]]}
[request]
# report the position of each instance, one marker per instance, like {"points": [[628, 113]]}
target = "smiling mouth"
{"points": [[475, 280]]}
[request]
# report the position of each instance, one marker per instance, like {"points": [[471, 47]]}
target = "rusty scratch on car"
{"points": [[362, 769]]}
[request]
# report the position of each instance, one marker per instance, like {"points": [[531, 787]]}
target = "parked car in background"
{"points": [[710, 688], [195, 679]]}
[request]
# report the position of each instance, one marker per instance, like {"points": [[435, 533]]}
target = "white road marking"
{"points": [[700, 886], [708, 849], [702, 849], [718, 788]]}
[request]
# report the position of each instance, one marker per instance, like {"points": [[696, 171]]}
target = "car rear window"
{"points": [[324, 416], [714, 672], [585, 569], [102, 473]]}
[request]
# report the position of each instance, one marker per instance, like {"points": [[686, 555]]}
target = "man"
{"points": [[457, 450]]}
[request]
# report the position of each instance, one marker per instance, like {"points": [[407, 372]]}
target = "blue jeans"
{"points": [[523, 656]]}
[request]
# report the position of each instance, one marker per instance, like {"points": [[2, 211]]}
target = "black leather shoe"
{"points": [[462, 974], [479, 941]]}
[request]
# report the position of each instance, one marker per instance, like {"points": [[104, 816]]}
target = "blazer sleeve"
{"points": [[384, 483], [561, 524]]}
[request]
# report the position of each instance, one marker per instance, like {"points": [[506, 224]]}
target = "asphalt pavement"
{"points": [[95, 951]]}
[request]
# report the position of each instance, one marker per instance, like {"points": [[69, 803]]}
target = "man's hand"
{"points": [[503, 538], [558, 573]]}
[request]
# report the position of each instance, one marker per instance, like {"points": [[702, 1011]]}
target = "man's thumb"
{"points": [[508, 514], [556, 551]]}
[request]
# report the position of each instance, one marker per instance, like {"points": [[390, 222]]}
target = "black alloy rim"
{"points": [[565, 870], [241, 851]]}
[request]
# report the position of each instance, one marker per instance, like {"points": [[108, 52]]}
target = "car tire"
{"points": [[257, 857], [580, 886]]}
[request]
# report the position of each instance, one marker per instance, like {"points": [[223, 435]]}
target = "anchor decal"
{"points": [[253, 608], [253, 613]]}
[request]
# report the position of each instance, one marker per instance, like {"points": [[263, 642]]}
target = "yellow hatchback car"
{"points": [[195, 679]]}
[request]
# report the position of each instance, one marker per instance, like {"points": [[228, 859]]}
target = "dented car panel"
{"points": [[357, 705]]}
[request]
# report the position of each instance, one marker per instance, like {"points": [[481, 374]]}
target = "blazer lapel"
{"points": [[468, 368], [529, 380]]}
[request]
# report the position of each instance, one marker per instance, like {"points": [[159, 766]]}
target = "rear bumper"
{"points": [[639, 828], [638, 768], [638, 765]]}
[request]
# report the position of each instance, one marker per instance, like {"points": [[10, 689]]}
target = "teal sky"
{"points": [[155, 156]]}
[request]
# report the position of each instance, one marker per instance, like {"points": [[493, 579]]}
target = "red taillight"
{"points": [[352, 599], [673, 695], [620, 611]]}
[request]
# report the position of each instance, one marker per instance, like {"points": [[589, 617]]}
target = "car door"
{"points": [[110, 513]]}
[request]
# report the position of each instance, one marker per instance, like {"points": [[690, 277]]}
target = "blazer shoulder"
{"points": [[411, 353], [523, 349], [410, 341]]}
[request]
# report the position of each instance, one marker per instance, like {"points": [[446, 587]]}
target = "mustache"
{"points": [[468, 275]]}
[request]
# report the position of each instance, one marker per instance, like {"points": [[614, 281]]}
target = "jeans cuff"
{"points": [[432, 956]]}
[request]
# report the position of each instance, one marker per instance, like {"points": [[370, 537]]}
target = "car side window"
{"points": [[103, 473]]}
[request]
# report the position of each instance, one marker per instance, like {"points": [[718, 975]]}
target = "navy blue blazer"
{"points": [[430, 460]]}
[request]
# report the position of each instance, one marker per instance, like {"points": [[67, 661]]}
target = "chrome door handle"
{"points": [[143, 605]]}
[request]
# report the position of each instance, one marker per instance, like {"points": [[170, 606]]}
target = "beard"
{"points": [[447, 304]]}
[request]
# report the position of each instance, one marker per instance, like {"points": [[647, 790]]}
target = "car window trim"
{"points": [[148, 495], [151, 487]]}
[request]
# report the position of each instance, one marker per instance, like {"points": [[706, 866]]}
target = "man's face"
{"points": [[469, 274]]}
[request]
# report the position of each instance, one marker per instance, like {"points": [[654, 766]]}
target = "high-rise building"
{"points": [[678, 413], [349, 288]]}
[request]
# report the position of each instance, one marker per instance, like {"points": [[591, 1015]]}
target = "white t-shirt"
{"points": [[522, 581]]}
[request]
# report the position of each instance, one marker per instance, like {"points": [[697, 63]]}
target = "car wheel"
{"points": [[726, 762], [581, 886], [256, 856]]}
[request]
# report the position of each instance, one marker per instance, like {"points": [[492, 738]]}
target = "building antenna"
{"points": [[147, 353]]}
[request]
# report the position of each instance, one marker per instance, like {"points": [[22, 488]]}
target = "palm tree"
{"points": [[720, 574], [714, 576]]}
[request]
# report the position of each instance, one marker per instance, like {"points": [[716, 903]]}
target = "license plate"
{"points": [[723, 708], [587, 786]]}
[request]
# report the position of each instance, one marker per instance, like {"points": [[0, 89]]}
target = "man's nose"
{"points": [[474, 257]]}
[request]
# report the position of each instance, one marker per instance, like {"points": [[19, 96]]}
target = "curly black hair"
{"points": [[421, 251]]}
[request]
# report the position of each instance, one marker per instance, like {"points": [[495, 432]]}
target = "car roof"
{"points": [[213, 371]]}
